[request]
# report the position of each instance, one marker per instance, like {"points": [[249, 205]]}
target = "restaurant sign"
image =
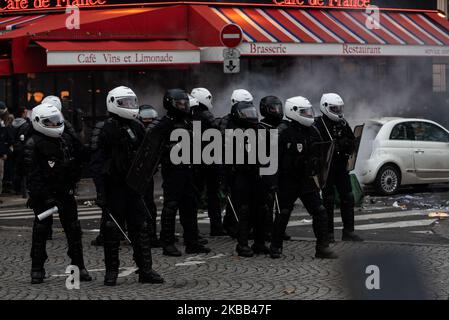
{"points": [[27, 5]]}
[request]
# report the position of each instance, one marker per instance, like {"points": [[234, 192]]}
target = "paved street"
{"points": [[408, 246]]}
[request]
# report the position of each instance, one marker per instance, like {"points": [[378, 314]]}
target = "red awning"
{"points": [[10, 23], [119, 53], [134, 23], [334, 26], [272, 31]]}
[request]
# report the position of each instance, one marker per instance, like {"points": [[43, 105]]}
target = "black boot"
{"points": [[111, 253], [244, 251], [38, 252], [171, 251], [202, 240], [350, 236], [197, 248], [260, 248], [37, 276], [143, 258], [150, 277], [324, 252], [75, 252], [275, 252]]}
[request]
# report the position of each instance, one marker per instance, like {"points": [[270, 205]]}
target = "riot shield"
{"points": [[147, 159], [358, 131], [325, 152]]}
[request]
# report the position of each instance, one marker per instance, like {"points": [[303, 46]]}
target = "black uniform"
{"points": [[54, 166], [269, 183], [178, 188], [338, 175], [118, 142], [244, 184], [21, 133], [206, 176], [149, 200], [298, 163]]}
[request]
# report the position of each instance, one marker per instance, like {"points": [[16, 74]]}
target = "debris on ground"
{"points": [[439, 215], [289, 290]]}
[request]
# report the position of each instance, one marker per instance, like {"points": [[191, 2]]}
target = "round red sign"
{"points": [[231, 35]]}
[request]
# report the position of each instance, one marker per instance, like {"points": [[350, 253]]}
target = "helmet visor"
{"points": [[147, 114], [306, 112], [338, 110], [248, 114], [128, 103], [54, 121], [182, 105], [275, 109]]}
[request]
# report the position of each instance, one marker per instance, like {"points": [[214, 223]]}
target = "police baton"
{"points": [[120, 228], [232, 207], [276, 200]]}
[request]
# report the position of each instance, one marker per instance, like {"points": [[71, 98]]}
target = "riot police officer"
{"points": [[206, 176], [244, 181], [333, 126], [230, 223], [118, 143], [53, 162], [298, 164], [147, 115], [68, 128], [178, 184], [272, 112]]}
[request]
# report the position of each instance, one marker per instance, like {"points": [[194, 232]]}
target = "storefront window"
{"points": [[439, 78]]}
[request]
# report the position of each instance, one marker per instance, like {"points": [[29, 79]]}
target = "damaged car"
{"points": [[397, 152]]}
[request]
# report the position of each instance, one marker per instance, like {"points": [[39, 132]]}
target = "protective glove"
{"points": [[101, 200]]}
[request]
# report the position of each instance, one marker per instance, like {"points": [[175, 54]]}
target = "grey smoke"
{"points": [[370, 87]]}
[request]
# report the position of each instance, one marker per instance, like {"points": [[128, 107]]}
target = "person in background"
{"points": [[5, 140], [20, 128]]}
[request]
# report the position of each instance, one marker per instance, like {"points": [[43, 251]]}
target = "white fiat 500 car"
{"points": [[396, 151]]}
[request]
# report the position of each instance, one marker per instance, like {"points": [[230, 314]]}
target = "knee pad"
{"points": [[111, 231], [347, 199], [171, 206]]}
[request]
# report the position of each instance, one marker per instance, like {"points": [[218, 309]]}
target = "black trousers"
{"points": [[339, 178], [206, 177], [68, 214], [151, 207], [127, 207], [179, 194], [245, 195], [289, 192]]}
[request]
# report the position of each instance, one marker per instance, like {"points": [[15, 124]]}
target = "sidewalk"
{"points": [[406, 271], [85, 192]]}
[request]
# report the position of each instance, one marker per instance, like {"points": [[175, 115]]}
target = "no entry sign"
{"points": [[231, 35]]}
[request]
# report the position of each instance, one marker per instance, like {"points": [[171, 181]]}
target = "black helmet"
{"points": [[176, 101], [245, 113], [271, 107], [3, 108], [147, 113]]}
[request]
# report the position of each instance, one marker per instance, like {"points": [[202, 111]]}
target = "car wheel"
{"points": [[388, 180]]}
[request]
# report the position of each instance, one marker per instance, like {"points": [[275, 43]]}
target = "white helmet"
{"points": [[241, 95], [48, 120], [193, 102], [54, 101], [332, 106], [299, 109], [203, 96], [123, 102]]}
